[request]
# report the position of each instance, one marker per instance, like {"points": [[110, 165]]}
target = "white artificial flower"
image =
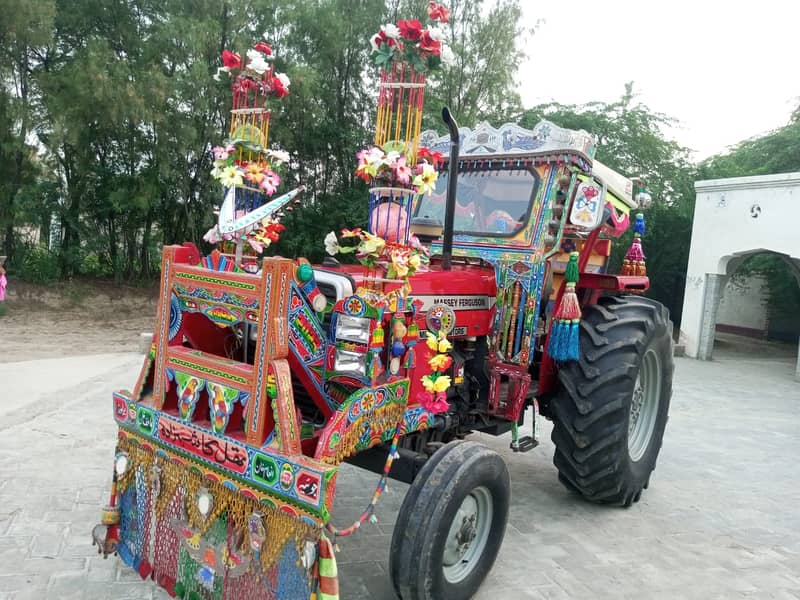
{"points": [[391, 157], [331, 244], [279, 157], [284, 79], [373, 41], [257, 62], [447, 56], [436, 33], [391, 30]]}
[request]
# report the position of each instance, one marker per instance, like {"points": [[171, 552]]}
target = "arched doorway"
{"points": [[736, 220]]}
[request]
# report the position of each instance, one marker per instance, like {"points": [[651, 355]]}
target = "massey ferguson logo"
{"points": [[460, 302]]}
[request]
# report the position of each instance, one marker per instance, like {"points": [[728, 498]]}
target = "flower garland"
{"points": [[412, 43], [378, 166], [259, 239], [436, 383], [400, 261]]}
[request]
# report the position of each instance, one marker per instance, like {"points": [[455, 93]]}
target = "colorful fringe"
{"points": [[634, 263], [563, 343]]}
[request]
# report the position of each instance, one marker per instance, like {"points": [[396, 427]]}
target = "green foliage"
{"points": [[38, 266]]}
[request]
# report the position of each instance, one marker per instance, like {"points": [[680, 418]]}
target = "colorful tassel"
{"points": [[634, 263], [563, 344]]}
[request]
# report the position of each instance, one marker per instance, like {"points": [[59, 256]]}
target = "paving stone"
{"points": [[719, 520]]}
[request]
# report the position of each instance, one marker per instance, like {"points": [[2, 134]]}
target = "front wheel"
{"points": [[451, 524], [611, 411]]}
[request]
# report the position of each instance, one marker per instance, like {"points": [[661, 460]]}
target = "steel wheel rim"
{"points": [[469, 532], [644, 405]]}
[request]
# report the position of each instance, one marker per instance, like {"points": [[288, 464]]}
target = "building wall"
{"points": [[743, 308], [734, 218]]}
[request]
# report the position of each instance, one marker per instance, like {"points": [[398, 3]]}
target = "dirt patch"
{"points": [[74, 318]]}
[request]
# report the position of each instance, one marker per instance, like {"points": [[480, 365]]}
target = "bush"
{"points": [[39, 266]]}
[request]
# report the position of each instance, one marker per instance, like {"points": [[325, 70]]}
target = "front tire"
{"points": [[612, 407], [451, 524]]}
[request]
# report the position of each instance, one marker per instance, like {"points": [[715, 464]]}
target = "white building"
{"points": [[733, 219]]}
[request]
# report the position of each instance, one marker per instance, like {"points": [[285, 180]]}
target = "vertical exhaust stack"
{"points": [[452, 181]]}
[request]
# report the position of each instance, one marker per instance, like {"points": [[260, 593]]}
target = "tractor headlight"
{"points": [[346, 361], [352, 329]]}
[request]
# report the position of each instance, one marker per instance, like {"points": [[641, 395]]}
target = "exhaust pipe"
{"points": [[452, 181]]}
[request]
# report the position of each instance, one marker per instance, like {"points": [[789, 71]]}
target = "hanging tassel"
{"points": [[563, 344], [634, 263], [328, 575]]}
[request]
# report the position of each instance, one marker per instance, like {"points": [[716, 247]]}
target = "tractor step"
{"points": [[525, 444]]}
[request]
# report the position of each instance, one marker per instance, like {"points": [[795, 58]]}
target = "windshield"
{"points": [[488, 203]]}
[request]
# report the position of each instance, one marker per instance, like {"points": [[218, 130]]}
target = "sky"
{"points": [[727, 71]]}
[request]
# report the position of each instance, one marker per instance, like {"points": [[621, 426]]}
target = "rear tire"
{"points": [[451, 524], [611, 410]]}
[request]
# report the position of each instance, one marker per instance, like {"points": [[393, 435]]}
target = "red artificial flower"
{"points": [[410, 30], [278, 88], [428, 44], [438, 12], [263, 47], [231, 59], [435, 158]]}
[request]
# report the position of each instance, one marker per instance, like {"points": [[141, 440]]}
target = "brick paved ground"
{"points": [[721, 518]]}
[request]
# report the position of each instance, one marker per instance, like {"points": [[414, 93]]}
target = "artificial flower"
{"points": [[402, 171], [435, 158], [439, 343], [351, 233], [231, 60], [440, 362], [281, 90], [428, 44], [331, 244], [278, 157], [371, 245], [258, 62], [425, 181], [399, 262], [270, 182], [438, 12], [230, 176], [410, 30], [264, 48], [436, 34], [254, 173], [375, 41], [435, 403], [391, 30], [437, 383], [447, 56], [213, 236]]}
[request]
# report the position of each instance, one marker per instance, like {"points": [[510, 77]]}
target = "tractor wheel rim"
{"points": [[469, 532], [644, 405]]}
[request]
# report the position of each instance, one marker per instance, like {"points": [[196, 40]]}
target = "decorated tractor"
{"points": [[478, 290]]}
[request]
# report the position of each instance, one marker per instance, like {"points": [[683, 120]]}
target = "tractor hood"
{"points": [[470, 289]]}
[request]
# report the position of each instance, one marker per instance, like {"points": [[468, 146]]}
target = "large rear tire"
{"points": [[451, 524], [611, 410]]}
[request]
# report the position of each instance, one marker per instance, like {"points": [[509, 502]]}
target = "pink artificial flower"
{"points": [[438, 12], [402, 171], [433, 403], [270, 182]]}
